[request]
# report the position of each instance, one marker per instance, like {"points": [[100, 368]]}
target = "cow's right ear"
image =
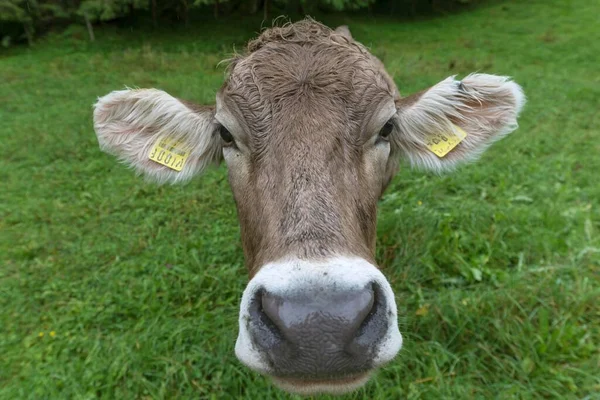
{"points": [[161, 137], [344, 31]]}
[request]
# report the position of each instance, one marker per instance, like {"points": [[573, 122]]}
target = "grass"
{"points": [[114, 288]]}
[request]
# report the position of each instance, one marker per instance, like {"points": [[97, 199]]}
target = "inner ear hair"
{"points": [[484, 106]]}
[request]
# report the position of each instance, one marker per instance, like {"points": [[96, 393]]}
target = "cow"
{"points": [[312, 129]]}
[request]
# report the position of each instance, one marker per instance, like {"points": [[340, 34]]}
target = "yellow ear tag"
{"points": [[441, 143], [170, 153]]}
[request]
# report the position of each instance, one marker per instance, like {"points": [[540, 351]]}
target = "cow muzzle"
{"points": [[318, 327]]}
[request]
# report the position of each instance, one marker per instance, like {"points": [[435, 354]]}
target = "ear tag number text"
{"points": [[443, 142], [170, 153]]}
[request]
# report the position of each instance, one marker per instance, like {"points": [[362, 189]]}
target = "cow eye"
{"points": [[387, 129], [225, 135]]}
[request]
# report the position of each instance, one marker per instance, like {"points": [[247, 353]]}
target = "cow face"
{"points": [[312, 129]]}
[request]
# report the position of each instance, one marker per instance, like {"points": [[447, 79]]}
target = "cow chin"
{"points": [[318, 326], [305, 387]]}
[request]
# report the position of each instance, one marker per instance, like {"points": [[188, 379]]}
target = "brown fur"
{"points": [[305, 93]]}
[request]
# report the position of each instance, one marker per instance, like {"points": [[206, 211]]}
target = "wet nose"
{"points": [[320, 334]]}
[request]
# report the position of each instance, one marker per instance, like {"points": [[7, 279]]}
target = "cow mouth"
{"points": [[334, 386]]}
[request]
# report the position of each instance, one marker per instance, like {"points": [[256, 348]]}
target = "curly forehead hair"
{"points": [[305, 62], [301, 32], [307, 30], [327, 43]]}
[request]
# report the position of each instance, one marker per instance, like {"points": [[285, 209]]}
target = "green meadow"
{"points": [[115, 288]]}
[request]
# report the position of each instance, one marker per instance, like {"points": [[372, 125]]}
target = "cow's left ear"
{"points": [[474, 112]]}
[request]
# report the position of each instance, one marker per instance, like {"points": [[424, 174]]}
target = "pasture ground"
{"points": [[111, 287]]}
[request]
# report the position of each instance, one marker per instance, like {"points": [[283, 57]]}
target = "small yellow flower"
{"points": [[41, 334], [423, 310], [52, 334], [420, 202]]}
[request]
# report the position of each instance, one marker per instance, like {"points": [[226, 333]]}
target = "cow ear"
{"points": [[482, 107], [161, 137], [344, 31]]}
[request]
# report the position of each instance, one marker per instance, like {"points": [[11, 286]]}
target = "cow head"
{"points": [[312, 129]]}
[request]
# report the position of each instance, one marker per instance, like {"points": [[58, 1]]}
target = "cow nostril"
{"points": [[270, 309], [373, 326], [276, 313], [360, 306], [370, 310], [267, 333]]}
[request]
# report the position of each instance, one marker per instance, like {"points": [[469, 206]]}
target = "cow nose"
{"points": [[320, 334]]}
